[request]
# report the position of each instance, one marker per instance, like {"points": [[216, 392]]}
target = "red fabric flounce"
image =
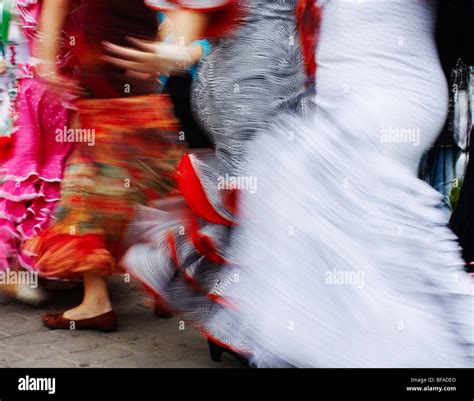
{"points": [[68, 256], [223, 13], [191, 188], [308, 15]]}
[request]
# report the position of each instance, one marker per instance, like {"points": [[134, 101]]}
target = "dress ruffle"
{"points": [[33, 170], [32, 174], [324, 210], [75, 254], [179, 248]]}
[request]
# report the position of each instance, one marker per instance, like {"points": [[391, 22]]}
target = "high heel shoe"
{"points": [[162, 310], [217, 350]]}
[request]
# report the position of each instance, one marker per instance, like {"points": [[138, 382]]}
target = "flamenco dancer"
{"points": [[132, 160], [32, 169], [342, 257], [180, 247]]}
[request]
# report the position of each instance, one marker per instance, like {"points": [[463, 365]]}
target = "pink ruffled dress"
{"points": [[30, 178]]}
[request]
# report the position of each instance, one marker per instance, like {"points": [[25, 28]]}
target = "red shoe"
{"points": [[106, 322]]}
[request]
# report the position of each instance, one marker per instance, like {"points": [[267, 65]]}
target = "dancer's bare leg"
{"points": [[96, 299]]}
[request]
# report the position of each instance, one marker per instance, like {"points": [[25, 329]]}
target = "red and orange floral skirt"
{"points": [[126, 152]]}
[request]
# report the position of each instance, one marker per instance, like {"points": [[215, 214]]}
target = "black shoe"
{"points": [[162, 312], [217, 351]]}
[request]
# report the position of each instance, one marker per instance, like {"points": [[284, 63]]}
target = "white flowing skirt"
{"points": [[343, 259]]}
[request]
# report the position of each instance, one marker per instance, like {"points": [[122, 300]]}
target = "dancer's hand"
{"points": [[149, 57], [55, 81]]}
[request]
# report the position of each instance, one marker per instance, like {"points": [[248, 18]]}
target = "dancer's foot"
{"points": [[216, 350], [96, 301], [25, 293], [95, 312], [162, 310], [88, 311], [106, 322]]}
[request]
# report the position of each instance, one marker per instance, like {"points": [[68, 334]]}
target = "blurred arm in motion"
{"points": [[161, 58], [189, 23], [52, 19]]}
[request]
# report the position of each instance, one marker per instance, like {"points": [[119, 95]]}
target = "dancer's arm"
{"points": [[160, 58], [52, 19], [190, 23], [168, 27]]}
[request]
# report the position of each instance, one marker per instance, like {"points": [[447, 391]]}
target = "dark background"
{"points": [[454, 32]]}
